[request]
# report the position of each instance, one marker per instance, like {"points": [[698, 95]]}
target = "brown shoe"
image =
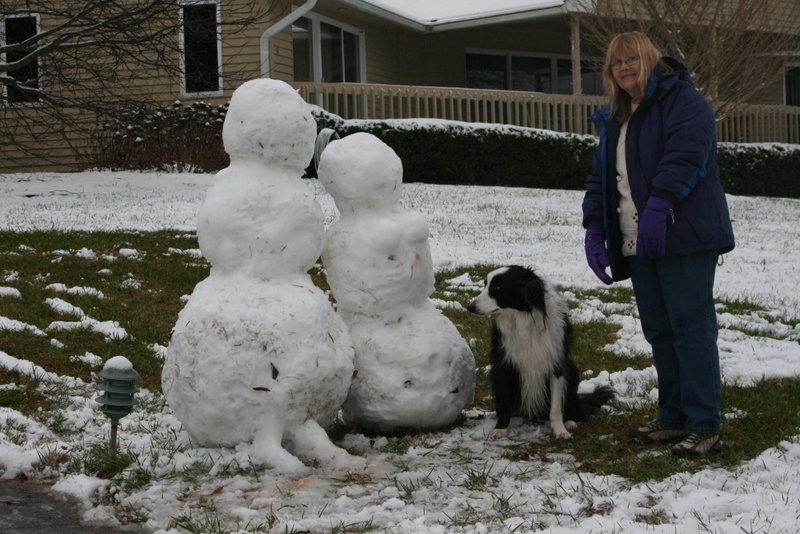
{"points": [[697, 444], [656, 432]]}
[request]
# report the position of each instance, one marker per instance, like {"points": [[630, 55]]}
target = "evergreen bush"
{"points": [[189, 138], [760, 169], [456, 153]]}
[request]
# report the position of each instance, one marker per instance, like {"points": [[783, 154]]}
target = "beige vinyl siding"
{"points": [[280, 56], [780, 14], [40, 145], [382, 38], [445, 52], [394, 52], [54, 151], [43, 147], [383, 56], [772, 93], [395, 55], [241, 52]]}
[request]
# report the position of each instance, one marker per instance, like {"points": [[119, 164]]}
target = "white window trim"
{"points": [[181, 46], [316, 45], [508, 53], [3, 19]]}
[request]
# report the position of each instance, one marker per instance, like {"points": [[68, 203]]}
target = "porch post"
{"points": [[575, 38]]}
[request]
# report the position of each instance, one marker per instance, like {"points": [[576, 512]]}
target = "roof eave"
{"points": [[366, 7], [517, 16], [458, 24]]}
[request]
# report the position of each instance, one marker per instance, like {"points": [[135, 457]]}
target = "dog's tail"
{"points": [[597, 398]]}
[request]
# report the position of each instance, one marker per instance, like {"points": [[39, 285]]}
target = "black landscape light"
{"points": [[117, 399]]}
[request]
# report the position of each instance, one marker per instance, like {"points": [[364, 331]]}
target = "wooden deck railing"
{"points": [[561, 113]]}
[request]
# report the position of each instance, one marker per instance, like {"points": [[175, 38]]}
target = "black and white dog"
{"points": [[532, 373]]}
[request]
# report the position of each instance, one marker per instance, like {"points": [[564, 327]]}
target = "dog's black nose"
{"points": [[471, 307]]}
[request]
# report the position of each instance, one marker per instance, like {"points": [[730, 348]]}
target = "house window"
{"points": [[303, 60], [16, 29], [563, 71], [201, 48], [793, 86], [526, 72], [327, 51], [486, 71], [531, 74], [592, 78]]}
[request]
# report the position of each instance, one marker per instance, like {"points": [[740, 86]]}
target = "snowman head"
{"points": [[361, 172], [269, 120]]}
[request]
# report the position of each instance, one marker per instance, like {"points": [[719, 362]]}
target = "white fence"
{"points": [[562, 113]]}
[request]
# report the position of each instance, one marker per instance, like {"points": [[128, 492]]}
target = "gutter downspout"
{"points": [[278, 27]]}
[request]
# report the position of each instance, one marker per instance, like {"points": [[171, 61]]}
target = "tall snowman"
{"points": [[258, 354], [413, 367]]}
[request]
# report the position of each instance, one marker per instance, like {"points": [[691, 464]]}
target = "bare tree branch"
{"points": [[92, 58], [733, 48]]}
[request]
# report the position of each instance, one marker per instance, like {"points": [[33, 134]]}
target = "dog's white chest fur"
{"points": [[533, 344]]}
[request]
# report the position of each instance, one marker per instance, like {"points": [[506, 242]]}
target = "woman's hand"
{"points": [[597, 254], [651, 240]]}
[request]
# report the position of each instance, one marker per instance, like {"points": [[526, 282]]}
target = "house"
{"points": [[519, 62]]}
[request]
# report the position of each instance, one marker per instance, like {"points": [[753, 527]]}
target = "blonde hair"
{"points": [[630, 43]]}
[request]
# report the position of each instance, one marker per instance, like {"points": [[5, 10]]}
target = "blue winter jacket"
{"points": [[671, 152]]}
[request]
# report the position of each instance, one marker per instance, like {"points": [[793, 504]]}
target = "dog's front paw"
{"points": [[570, 425], [499, 433], [561, 433]]}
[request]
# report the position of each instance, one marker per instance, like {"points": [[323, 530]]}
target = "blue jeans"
{"points": [[676, 306]]}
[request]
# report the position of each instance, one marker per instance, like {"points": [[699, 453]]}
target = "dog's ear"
{"points": [[534, 295]]}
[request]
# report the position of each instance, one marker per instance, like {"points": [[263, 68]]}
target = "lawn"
{"points": [[136, 283]]}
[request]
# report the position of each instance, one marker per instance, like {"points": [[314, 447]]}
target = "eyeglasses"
{"points": [[630, 60]]}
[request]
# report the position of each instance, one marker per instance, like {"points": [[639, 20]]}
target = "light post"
{"points": [[118, 390]]}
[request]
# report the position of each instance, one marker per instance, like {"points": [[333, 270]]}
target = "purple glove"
{"points": [[651, 241], [597, 254]]}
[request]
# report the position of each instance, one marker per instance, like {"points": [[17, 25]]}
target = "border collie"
{"points": [[532, 373]]}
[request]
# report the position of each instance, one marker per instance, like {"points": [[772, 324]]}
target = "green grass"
{"points": [[767, 411], [770, 415]]}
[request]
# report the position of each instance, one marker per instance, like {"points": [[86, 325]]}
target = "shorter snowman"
{"points": [[413, 367], [258, 357]]}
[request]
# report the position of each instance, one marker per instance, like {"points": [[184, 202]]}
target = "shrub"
{"points": [[448, 152], [765, 169], [189, 138], [177, 138]]}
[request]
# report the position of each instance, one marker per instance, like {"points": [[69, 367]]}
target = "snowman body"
{"points": [[413, 367], [258, 355]]}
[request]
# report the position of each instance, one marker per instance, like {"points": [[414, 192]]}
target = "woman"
{"points": [[654, 211]]}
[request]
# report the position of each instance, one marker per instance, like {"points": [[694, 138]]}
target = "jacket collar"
{"points": [[661, 82], [664, 78]]}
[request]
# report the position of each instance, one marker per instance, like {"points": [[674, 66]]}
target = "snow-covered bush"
{"points": [[184, 138], [760, 169], [450, 152], [188, 138]]}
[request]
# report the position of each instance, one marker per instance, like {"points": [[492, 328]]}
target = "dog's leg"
{"points": [[506, 391], [499, 433], [570, 425], [557, 387]]}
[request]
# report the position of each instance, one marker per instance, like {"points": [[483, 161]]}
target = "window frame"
{"points": [[553, 58], [38, 18], [316, 46], [182, 49]]}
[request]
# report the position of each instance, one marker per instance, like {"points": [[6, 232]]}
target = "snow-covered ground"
{"points": [[431, 486]]}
